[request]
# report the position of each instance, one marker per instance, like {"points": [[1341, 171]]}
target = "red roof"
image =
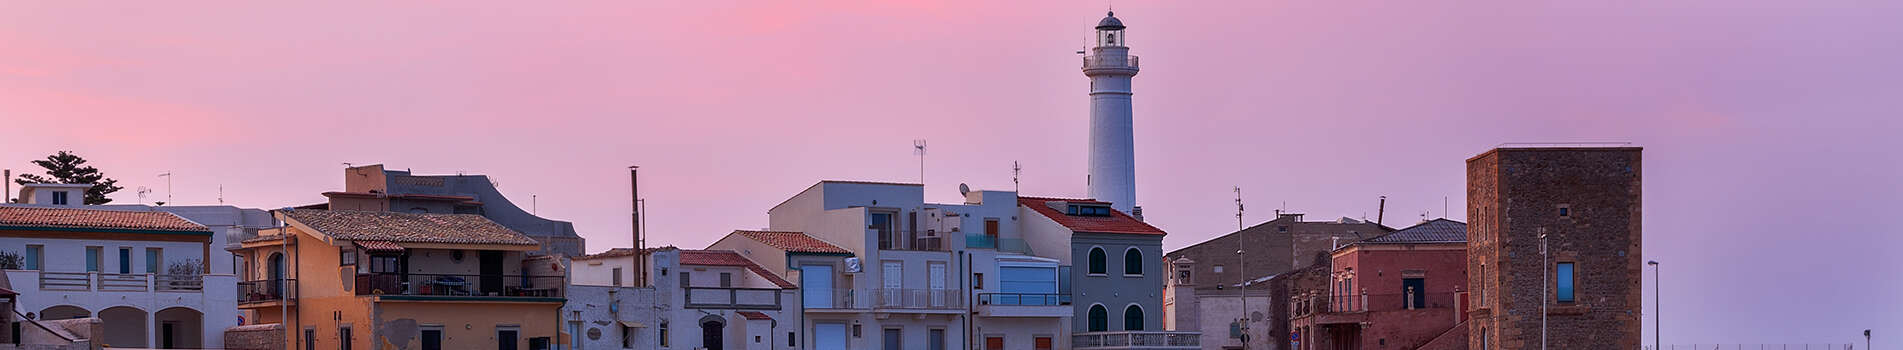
{"points": [[379, 247], [31, 217], [1117, 222], [755, 315], [730, 258], [792, 241]]}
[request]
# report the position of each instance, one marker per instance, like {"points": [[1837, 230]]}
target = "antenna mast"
{"points": [[1239, 224], [168, 185], [918, 147], [1015, 172], [634, 208]]}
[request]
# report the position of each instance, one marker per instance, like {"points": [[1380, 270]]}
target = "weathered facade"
{"points": [[1400, 290], [1586, 202], [372, 188], [1207, 275]]}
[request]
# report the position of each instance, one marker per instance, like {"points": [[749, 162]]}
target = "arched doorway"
{"points": [[125, 326], [64, 312], [180, 328], [712, 333]]}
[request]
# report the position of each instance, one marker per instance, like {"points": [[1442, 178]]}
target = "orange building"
{"points": [[384, 280]]}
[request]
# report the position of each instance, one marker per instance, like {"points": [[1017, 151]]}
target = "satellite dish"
{"points": [[964, 189], [852, 265]]}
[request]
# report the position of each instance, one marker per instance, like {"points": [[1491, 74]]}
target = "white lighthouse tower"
{"points": [[1112, 150]]}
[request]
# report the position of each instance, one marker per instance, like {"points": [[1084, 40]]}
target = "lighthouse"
{"points": [[1112, 146]]}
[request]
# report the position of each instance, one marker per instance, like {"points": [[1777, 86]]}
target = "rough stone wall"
{"points": [[1515, 195], [255, 337]]}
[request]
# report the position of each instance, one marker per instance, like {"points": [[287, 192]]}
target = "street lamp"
{"points": [[1657, 300], [1866, 339], [1543, 280]]}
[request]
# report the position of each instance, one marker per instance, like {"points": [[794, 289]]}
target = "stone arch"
{"points": [[125, 326], [179, 328], [64, 312]]}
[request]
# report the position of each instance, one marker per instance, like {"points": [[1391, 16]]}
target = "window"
{"points": [[792, 339], [125, 260], [1026, 280], [506, 337], [1133, 318], [893, 276], [664, 335], [686, 279], [893, 337], [385, 264], [994, 342], [726, 280], [1097, 263], [1565, 210], [1043, 343], [33, 256], [1281, 229], [1088, 210], [343, 338], [1564, 277], [59, 198], [991, 227], [346, 256], [617, 276], [1182, 276], [935, 339], [310, 338], [432, 338], [153, 260], [882, 223], [816, 286], [977, 280], [1133, 262], [1218, 268], [1099, 318]]}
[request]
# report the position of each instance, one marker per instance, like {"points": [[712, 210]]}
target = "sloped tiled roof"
{"points": [[755, 315], [794, 242], [73, 218], [407, 227], [615, 252], [1434, 231], [730, 258], [1117, 223]]}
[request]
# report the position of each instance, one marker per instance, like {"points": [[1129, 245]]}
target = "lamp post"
{"points": [[1243, 269], [1657, 300], [1866, 339]]}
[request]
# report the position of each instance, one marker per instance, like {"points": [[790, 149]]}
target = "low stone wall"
{"points": [[255, 337]]}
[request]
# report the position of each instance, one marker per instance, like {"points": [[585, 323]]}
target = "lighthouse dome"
{"points": [[1110, 22]]}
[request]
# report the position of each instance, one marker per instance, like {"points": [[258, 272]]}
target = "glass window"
{"points": [[1133, 262], [59, 198], [1564, 277], [1097, 263], [1099, 318], [1133, 318], [153, 260], [894, 275], [617, 276], [346, 256], [125, 260], [664, 334], [384, 264], [1027, 280], [816, 286], [33, 256]]}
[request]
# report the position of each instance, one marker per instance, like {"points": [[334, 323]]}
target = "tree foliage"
{"points": [[68, 168]]}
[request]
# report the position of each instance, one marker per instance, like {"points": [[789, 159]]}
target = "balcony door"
{"points": [[491, 272], [816, 281], [1415, 292]]}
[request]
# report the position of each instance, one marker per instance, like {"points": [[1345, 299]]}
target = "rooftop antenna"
{"points": [[1381, 211], [221, 193], [168, 186], [535, 206], [142, 192], [1015, 172], [1239, 225], [918, 147]]}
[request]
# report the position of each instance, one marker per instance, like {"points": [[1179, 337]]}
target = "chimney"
{"points": [[1381, 210]]}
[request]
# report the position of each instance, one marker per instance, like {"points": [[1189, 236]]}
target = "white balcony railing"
{"points": [[119, 282], [908, 298], [1137, 340]]}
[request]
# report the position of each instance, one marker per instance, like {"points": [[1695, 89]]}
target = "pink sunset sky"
{"points": [[1772, 174]]}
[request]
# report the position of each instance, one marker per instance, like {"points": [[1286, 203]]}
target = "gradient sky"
{"points": [[1771, 133]]}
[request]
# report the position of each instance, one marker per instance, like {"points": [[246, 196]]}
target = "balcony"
{"points": [[267, 292], [1338, 309], [733, 298], [984, 241], [117, 282], [1024, 305], [455, 286], [918, 299], [1110, 62], [835, 300], [909, 240], [1137, 340]]}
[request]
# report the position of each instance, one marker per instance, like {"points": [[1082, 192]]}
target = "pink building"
{"points": [[1401, 290]]}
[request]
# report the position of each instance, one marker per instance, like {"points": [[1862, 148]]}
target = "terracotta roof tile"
{"points": [[1116, 223], [96, 219], [406, 227], [792, 241], [380, 247], [730, 258], [615, 252], [755, 315]]}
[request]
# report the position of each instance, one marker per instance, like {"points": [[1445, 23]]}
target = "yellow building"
{"points": [[384, 280]]}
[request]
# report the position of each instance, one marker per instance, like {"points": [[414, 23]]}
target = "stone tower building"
{"points": [[1585, 201]]}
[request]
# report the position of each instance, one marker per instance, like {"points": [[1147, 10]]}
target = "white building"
{"points": [[696, 299], [142, 273]]}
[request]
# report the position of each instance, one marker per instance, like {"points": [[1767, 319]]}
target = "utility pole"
{"points": [[1543, 279], [1658, 300], [1242, 268], [634, 211]]}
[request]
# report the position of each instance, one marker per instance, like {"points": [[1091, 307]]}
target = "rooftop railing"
{"points": [[1024, 299], [459, 285], [250, 292], [1135, 340], [733, 298], [1110, 62], [120, 282], [1374, 302]]}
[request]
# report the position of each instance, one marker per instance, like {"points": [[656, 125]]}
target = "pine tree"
{"points": [[68, 168]]}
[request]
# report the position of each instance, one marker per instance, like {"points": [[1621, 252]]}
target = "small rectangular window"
{"points": [[1563, 276], [153, 260], [346, 256], [59, 198], [617, 276], [125, 260], [726, 280], [977, 280], [1218, 268], [33, 256], [664, 335], [1565, 210], [685, 280], [792, 339]]}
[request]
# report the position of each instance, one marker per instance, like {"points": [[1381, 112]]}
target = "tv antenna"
{"points": [[142, 192], [221, 193], [1239, 225], [918, 147], [1015, 172], [168, 186]]}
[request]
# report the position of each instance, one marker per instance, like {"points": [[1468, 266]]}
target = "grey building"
{"points": [[373, 188], [1115, 271], [1206, 276]]}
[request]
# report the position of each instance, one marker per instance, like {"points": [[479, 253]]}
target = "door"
{"points": [[829, 336], [710, 337], [1414, 292], [276, 271], [432, 339], [166, 335], [936, 339], [816, 284], [994, 343], [893, 341], [505, 339], [491, 272], [936, 279]]}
